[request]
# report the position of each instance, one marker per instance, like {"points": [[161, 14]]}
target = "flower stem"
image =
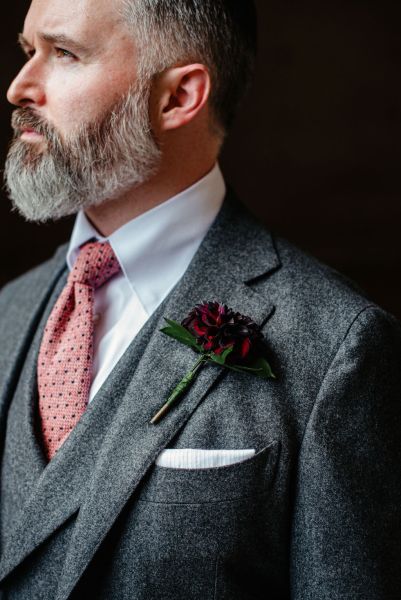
{"points": [[180, 388]]}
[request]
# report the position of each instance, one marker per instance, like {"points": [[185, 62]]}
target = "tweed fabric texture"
{"points": [[66, 353], [315, 514], [22, 439], [34, 493]]}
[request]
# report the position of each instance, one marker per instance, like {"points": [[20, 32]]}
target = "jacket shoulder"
{"points": [[316, 307], [317, 283], [305, 290]]}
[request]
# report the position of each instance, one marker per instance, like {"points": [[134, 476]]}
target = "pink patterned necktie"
{"points": [[66, 352]]}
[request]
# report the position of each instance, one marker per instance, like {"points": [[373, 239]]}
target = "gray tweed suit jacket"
{"points": [[315, 514]]}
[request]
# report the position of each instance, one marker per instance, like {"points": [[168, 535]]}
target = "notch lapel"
{"points": [[230, 257]]}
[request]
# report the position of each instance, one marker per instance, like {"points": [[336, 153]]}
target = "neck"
{"points": [[169, 181]]}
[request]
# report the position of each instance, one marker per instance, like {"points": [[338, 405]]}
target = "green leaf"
{"points": [[260, 368], [220, 359], [179, 333]]}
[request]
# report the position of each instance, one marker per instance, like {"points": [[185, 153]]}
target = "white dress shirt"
{"points": [[154, 251]]}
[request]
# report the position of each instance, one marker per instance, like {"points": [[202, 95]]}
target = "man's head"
{"points": [[221, 34], [111, 87]]}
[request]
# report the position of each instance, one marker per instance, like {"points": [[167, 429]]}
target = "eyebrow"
{"points": [[23, 42], [55, 38]]}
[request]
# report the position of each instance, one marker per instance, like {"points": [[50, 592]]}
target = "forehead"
{"points": [[79, 17]]}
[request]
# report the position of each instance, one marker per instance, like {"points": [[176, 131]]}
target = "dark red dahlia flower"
{"points": [[217, 328]]}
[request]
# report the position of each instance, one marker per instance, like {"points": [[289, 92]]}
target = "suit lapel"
{"points": [[235, 251]]}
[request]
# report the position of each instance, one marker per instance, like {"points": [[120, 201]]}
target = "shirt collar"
{"points": [[155, 248]]}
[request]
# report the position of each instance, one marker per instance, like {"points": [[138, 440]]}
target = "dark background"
{"points": [[316, 149]]}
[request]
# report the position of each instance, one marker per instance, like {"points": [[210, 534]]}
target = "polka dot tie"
{"points": [[66, 352]]}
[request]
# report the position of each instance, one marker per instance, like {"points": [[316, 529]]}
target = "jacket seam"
{"points": [[358, 314]]}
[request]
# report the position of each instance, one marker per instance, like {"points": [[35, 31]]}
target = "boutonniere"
{"points": [[220, 336]]}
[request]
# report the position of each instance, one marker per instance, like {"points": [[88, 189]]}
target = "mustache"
{"points": [[25, 118]]}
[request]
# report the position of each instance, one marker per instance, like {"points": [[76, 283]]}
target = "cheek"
{"points": [[73, 101]]}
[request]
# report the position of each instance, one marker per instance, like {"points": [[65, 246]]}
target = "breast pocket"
{"points": [[250, 477], [186, 525]]}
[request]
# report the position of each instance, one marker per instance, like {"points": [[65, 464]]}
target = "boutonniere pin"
{"points": [[220, 336]]}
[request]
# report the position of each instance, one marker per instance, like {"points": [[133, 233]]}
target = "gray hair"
{"points": [[221, 34], [96, 163]]}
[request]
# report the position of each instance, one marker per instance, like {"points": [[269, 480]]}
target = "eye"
{"points": [[62, 53]]}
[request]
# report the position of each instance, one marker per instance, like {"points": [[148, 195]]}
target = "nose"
{"points": [[27, 88]]}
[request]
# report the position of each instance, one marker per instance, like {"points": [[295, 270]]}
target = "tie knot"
{"points": [[96, 264]]}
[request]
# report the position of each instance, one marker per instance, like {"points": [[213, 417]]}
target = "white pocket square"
{"points": [[193, 458]]}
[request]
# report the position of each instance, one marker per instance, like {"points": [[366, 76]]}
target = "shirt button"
{"points": [[96, 317]]}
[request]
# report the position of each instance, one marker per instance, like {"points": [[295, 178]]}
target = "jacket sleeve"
{"points": [[346, 528]]}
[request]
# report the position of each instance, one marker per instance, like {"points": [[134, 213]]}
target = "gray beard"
{"points": [[98, 163]]}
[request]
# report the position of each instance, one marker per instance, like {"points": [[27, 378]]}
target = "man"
{"points": [[247, 488]]}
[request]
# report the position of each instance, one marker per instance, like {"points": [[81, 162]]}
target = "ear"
{"points": [[183, 92]]}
